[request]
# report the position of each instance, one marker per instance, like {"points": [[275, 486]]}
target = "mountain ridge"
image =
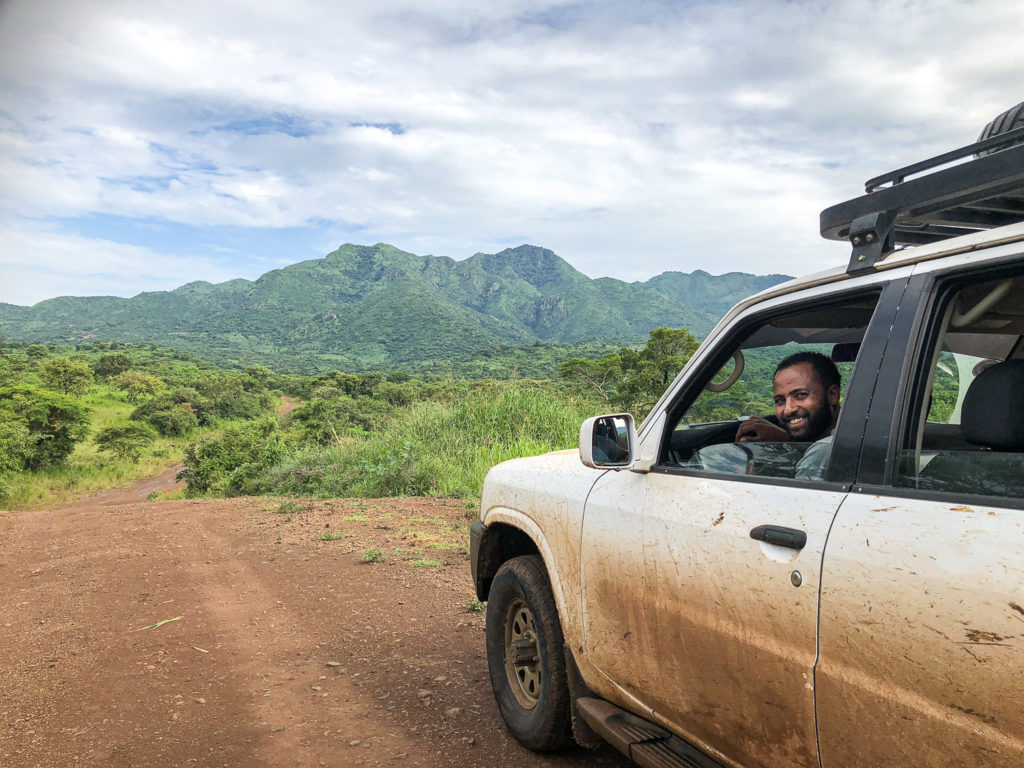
{"points": [[373, 306]]}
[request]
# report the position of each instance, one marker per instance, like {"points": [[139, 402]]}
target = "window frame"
{"points": [[847, 435], [906, 368]]}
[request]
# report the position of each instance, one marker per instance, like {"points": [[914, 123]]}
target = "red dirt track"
{"points": [[278, 649]]}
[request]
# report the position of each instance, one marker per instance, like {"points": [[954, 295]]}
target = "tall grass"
{"points": [[438, 448]]}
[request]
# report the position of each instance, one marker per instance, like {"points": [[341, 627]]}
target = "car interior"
{"points": [[703, 435], [970, 438]]}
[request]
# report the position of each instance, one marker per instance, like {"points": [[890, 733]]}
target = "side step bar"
{"points": [[646, 744]]}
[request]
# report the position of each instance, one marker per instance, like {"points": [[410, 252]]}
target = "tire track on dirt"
{"points": [[242, 678]]}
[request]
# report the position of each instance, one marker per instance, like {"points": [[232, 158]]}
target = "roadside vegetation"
{"points": [[78, 419]]}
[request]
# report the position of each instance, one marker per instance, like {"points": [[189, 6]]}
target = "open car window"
{"points": [[965, 430], [704, 422]]}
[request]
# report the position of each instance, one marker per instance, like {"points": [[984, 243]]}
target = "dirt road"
{"points": [[245, 632]]}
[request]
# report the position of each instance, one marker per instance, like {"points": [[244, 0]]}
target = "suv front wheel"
{"points": [[525, 655]]}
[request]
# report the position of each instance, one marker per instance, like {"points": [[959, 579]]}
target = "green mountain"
{"points": [[376, 306], [715, 294]]}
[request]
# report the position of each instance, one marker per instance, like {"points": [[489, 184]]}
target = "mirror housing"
{"points": [[608, 442]]}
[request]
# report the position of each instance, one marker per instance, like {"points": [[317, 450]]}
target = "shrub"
{"points": [[326, 421], [125, 442], [69, 377], [54, 423], [112, 364], [174, 421], [175, 413], [15, 442], [234, 462]]}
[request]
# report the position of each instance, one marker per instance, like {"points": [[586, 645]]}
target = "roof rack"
{"points": [[982, 193]]}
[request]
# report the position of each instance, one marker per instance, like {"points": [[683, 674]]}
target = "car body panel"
{"points": [[543, 496], [922, 634], [700, 622]]}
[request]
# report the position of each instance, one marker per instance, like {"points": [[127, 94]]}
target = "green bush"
{"points": [[326, 421], [228, 397], [69, 377], [234, 462], [54, 422], [175, 413], [15, 442], [174, 421], [125, 442]]}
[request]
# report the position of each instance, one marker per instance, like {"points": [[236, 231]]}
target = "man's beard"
{"points": [[817, 424]]}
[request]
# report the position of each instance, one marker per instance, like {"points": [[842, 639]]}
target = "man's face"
{"points": [[802, 405]]}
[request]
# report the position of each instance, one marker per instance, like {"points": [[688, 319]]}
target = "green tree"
{"points": [[600, 376], [36, 351], [112, 364], [136, 384], [15, 442], [630, 379], [256, 378], [125, 442], [54, 422], [647, 373], [69, 377]]}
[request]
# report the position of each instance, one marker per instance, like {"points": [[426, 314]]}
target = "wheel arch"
{"points": [[506, 534]]}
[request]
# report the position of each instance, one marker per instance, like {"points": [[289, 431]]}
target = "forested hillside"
{"points": [[377, 308]]}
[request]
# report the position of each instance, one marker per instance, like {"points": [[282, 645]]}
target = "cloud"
{"points": [[37, 263], [629, 138]]}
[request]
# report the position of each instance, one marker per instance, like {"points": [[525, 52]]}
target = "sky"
{"points": [[145, 144]]}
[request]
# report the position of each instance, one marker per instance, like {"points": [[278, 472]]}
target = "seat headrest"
{"points": [[845, 352], [993, 411]]}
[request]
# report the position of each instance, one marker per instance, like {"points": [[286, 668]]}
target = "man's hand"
{"points": [[757, 430]]}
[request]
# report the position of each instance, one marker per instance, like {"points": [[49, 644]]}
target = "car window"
{"points": [[968, 436], [791, 439]]}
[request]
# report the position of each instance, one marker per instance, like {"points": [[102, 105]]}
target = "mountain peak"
{"points": [[537, 266]]}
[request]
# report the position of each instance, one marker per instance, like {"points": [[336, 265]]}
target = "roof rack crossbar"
{"points": [[900, 175]]}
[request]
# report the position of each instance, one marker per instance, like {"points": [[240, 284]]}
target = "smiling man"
{"points": [[806, 389]]}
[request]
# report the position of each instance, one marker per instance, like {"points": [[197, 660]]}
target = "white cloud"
{"points": [[36, 264], [630, 138]]}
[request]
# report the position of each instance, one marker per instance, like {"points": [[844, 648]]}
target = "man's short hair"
{"points": [[824, 368]]}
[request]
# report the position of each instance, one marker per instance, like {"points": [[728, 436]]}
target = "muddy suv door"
{"points": [[700, 578], [922, 593]]}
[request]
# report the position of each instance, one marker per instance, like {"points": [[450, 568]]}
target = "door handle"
{"points": [[779, 536]]}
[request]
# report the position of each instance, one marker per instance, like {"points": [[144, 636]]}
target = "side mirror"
{"points": [[608, 442]]}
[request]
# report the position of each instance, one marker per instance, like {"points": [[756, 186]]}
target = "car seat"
{"points": [[992, 419]]}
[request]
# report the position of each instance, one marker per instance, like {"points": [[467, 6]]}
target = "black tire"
{"points": [[1010, 119], [525, 655]]}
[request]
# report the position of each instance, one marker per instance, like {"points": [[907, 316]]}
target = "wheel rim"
{"points": [[522, 654]]}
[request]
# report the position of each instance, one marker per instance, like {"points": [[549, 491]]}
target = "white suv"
{"points": [[696, 601]]}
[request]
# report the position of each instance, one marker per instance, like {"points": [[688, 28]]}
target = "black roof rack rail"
{"points": [[982, 193]]}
